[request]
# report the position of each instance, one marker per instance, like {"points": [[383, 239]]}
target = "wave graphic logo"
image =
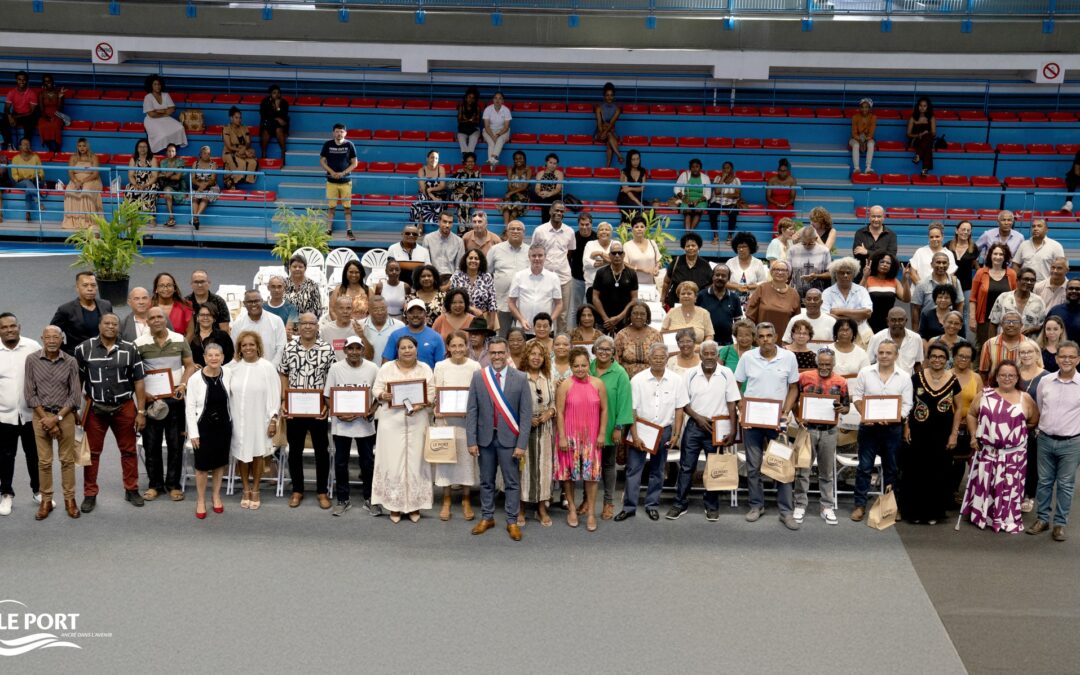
{"points": [[23, 620]]}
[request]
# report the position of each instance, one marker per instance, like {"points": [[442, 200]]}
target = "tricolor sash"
{"points": [[498, 399]]}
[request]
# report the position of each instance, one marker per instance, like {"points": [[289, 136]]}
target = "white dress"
{"points": [[402, 480], [255, 397], [464, 472], [161, 131]]}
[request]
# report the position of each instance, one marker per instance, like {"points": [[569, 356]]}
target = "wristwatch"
{"points": [[140, 412], [59, 418]]}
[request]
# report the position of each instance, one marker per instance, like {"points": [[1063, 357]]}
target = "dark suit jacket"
{"points": [[69, 319], [481, 411]]}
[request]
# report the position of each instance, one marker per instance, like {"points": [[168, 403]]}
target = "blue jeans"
{"points": [[635, 466], [1058, 461], [695, 439], [496, 456], [32, 194], [756, 441], [874, 440], [365, 448]]}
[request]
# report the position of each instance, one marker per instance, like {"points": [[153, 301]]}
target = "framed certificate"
{"points": [[881, 409], [413, 391], [350, 401], [451, 401], [303, 402], [649, 434], [818, 409], [721, 427], [158, 384], [670, 342], [761, 413], [587, 346]]}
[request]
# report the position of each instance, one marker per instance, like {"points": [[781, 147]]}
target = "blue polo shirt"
{"points": [[767, 378], [429, 345]]}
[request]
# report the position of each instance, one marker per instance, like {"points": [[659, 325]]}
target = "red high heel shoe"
{"points": [[201, 515], [219, 509]]}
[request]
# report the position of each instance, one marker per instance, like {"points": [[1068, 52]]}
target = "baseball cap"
{"points": [[353, 340], [415, 302]]}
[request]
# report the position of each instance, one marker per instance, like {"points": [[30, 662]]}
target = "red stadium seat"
{"points": [[227, 99], [1032, 116], [380, 167], [719, 142], [987, 214], [985, 181], [606, 173], [1040, 149], [861, 212], [89, 94], [390, 103], [750, 176], [386, 135], [270, 164], [417, 104], [895, 179], [1022, 216], [1050, 183], [928, 180], [1011, 149], [122, 158], [635, 141], [1003, 116], [106, 126], [262, 196], [522, 139], [772, 111], [360, 134], [952, 147], [754, 210], [578, 172], [744, 111], [1061, 117], [335, 102], [61, 157], [865, 178], [717, 110], [661, 109], [251, 99], [690, 110], [977, 147], [747, 142], [663, 174], [553, 107], [232, 195], [414, 135], [376, 200], [115, 95], [662, 141], [212, 130], [441, 136], [362, 103], [931, 214], [132, 127], [1064, 148], [408, 167], [444, 105], [890, 146], [971, 116], [943, 115], [579, 139], [492, 171], [579, 107], [201, 98], [527, 106], [1019, 182], [361, 167], [889, 114], [635, 109], [777, 144], [901, 212], [552, 139], [691, 142], [800, 112]]}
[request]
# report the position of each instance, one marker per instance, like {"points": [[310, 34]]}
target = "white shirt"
{"points": [[588, 265], [504, 261], [823, 327], [921, 261], [270, 328], [1038, 259], [869, 383], [709, 396], [377, 337], [857, 298], [755, 273], [341, 374], [13, 408], [535, 293], [419, 253], [910, 350], [335, 335], [767, 378], [558, 243], [497, 119], [655, 400]]}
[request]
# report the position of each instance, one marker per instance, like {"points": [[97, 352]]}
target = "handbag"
{"points": [[777, 462], [883, 512], [803, 449], [940, 143], [441, 444], [64, 118], [106, 409], [280, 440], [721, 471], [193, 120]]}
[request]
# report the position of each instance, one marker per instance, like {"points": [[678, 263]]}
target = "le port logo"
{"points": [[23, 631]]}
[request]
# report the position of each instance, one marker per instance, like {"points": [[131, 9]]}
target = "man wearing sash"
{"points": [[499, 398]]}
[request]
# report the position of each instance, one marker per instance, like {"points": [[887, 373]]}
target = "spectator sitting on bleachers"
{"points": [[1072, 181], [142, 179], [496, 120], [725, 200], [921, 133], [274, 120], [633, 177], [29, 177], [863, 124], [518, 177], [821, 220], [237, 153], [431, 183], [693, 192], [82, 198], [780, 200], [607, 113], [924, 255], [173, 184], [1004, 234], [50, 123], [468, 120], [20, 111], [161, 127], [466, 190], [549, 186], [204, 187]]}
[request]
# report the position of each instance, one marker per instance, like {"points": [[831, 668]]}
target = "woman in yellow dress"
{"points": [[82, 198], [238, 153]]}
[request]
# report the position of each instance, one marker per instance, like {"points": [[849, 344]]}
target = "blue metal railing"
{"points": [[923, 8]]}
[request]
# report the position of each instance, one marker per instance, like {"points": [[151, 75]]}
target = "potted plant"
{"points": [[110, 248], [299, 230], [655, 231]]}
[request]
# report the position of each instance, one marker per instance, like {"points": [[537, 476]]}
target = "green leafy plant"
{"points": [[112, 247], [656, 227], [299, 230]]}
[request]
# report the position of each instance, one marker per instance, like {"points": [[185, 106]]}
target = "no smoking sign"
{"points": [[1050, 72], [104, 52]]}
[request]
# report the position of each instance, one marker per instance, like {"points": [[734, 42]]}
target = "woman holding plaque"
{"points": [[687, 357], [930, 434], [536, 465], [402, 482], [456, 371], [581, 406], [850, 359], [632, 343], [256, 389], [209, 425]]}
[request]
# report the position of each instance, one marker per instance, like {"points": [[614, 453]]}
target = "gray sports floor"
{"points": [[295, 589]]}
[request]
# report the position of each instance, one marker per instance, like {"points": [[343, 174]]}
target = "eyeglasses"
{"points": [[412, 234], [1010, 322], [617, 253], [162, 286], [253, 302]]}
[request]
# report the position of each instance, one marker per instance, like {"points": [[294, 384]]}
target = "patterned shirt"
{"points": [[306, 368], [481, 292], [305, 296], [1033, 316], [52, 383], [109, 375]]}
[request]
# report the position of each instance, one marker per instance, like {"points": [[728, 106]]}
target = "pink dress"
{"points": [[995, 488], [581, 460]]}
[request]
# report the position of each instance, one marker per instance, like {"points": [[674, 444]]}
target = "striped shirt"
{"points": [[52, 383]]}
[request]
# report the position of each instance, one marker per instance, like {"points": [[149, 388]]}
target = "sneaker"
{"points": [[800, 513], [1067, 206], [340, 508], [37, 498], [376, 510], [5, 505], [789, 522], [366, 505], [1028, 505], [753, 515], [134, 497], [712, 516], [674, 512], [829, 516]]}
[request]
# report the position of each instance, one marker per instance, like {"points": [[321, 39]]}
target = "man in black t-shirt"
{"points": [[338, 159], [614, 291], [584, 235]]}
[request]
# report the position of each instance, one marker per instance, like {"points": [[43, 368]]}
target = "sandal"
{"points": [[255, 499], [171, 222], [176, 495], [590, 524], [583, 508], [349, 235], [245, 503], [195, 222], [571, 519]]}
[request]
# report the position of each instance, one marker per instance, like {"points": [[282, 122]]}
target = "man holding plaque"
{"points": [[348, 396], [659, 395], [771, 376], [167, 364], [500, 400], [712, 393], [823, 398], [304, 366], [882, 427]]}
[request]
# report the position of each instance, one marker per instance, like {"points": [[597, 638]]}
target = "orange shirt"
{"points": [[863, 126]]}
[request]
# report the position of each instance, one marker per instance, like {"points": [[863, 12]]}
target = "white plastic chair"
{"points": [[313, 257], [233, 295], [375, 259], [335, 262]]}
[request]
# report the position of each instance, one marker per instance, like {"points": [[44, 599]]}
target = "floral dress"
{"points": [[632, 353], [580, 459], [434, 308], [426, 211], [466, 191], [536, 465], [517, 202], [139, 191], [481, 292], [210, 194], [995, 488], [305, 296]]}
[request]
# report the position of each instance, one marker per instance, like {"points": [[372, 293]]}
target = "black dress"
{"points": [[215, 427], [923, 491]]}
